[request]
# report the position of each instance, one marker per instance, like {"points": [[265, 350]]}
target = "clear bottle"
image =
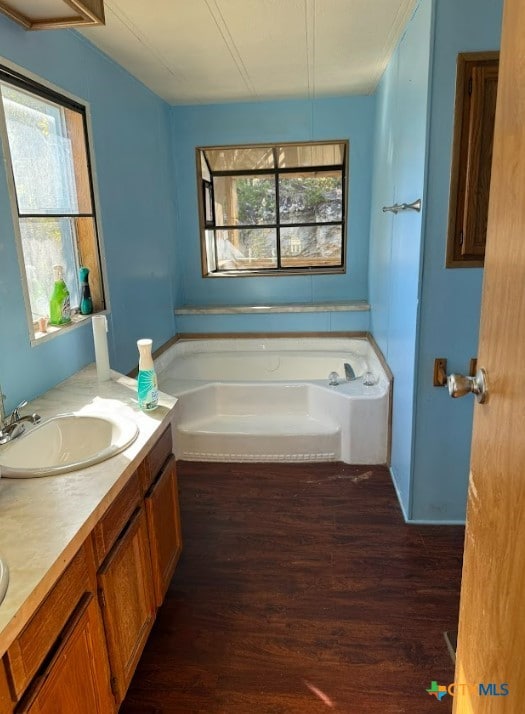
{"points": [[59, 303], [147, 391]]}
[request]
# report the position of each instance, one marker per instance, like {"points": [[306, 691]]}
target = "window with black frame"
{"points": [[273, 209], [45, 137]]}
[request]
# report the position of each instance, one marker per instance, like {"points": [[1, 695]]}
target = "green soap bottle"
{"points": [[59, 303]]}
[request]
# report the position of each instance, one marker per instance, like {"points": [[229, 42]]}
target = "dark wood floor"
{"points": [[300, 590]]}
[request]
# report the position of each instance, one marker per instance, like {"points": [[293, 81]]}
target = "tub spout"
{"points": [[349, 372]]}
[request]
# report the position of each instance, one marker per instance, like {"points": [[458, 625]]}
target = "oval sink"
{"points": [[4, 579], [66, 443]]}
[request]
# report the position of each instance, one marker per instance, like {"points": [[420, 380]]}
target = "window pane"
{"points": [[240, 159], [246, 249], [208, 203], [304, 155], [311, 246], [314, 198], [244, 200], [47, 242], [48, 154], [205, 173], [211, 264]]}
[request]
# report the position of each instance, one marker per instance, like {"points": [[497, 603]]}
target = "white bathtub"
{"points": [[269, 400]]}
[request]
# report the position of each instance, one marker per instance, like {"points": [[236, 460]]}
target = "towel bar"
{"points": [[397, 207]]}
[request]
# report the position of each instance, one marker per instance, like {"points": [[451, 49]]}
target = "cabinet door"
{"points": [[77, 678], [127, 600], [6, 702], [162, 507], [475, 110]]}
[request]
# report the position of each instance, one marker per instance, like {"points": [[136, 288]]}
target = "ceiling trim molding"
{"points": [[88, 13]]}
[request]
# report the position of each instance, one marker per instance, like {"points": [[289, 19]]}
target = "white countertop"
{"points": [[44, 521]]}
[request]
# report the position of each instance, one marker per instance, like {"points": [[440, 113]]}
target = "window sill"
{"points": [[272, 273], [349, 306], [53, 331]]}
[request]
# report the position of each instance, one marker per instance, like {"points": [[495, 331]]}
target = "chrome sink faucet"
{"points": [[11, 426]]}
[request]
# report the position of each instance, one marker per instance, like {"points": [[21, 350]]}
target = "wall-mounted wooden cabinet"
{"points": [[475, 111]]}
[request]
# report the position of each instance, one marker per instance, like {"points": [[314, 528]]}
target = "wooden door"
{"points": [[127, 601], [162, 507], [77, 678], [491, 642]]}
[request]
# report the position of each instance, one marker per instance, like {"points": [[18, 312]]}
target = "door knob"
{"points": [[460, 384]]}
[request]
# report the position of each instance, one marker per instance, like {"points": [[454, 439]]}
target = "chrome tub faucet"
{"points": [[349, 372]]}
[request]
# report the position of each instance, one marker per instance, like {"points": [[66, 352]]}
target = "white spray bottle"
{"points": [[147, 390]]}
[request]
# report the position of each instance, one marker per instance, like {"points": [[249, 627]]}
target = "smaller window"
{"points": [[49, 159], [273, 209]]}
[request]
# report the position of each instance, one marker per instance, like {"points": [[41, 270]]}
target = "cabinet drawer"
{"points": [[27, 653], [156, 459], [109, 528]]}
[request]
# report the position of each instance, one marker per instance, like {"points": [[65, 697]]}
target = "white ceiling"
{"points": [[207, 51]]}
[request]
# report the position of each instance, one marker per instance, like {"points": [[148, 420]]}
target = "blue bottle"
{"points": [[86, 303]]}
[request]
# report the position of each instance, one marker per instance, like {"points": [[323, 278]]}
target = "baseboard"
{"points": [[401, 505], [444, 522], [420, 521]]}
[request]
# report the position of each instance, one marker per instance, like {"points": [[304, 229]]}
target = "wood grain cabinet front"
{"points": [[77, 677], [6, 699], [127, 601], [27, 655], [162, 508]]}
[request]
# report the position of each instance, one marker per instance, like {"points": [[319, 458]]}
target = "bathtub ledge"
{"points": [[348, 306]]}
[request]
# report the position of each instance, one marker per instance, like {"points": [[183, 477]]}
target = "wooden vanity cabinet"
{"points": [[79, 651], [59, 661]]}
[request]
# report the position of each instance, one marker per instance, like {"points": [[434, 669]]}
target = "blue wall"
{"points": [[144, 154], [131, 140], [396, 240], [423, 311], [450, 297], [336, 118]]}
